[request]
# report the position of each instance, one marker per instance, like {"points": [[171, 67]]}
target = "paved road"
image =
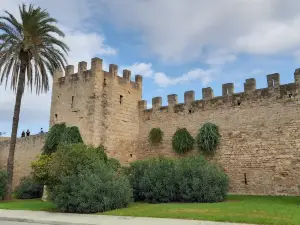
{"points": [[11, 217], [18, 223]]}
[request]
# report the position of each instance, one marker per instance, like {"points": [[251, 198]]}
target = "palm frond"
{"points": [[29, 42]]}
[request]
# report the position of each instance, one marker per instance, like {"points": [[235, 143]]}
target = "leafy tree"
{"points": [[29, 50]]}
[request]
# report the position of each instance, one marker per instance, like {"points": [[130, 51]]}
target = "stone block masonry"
{"points": [[102, 104], [260, 144], [27, 149]]}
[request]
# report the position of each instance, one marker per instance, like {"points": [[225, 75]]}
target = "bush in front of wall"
{"points": [[155, 136], [71, 135], [28, 189], [198, 180], [188, 179], [3, 182], [182, 141], [86, 180], [40, 169], [53, 138], [208, 138], [152, 180]]}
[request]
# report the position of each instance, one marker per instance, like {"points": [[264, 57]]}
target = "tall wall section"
{"points": [[260, 145], [120, 98], [73, 97], [27, 149], [103, 105]]}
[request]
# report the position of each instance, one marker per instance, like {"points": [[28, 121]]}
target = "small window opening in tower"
{"points": [[273, 83], [121, 99], [55, 116], [72, 104]]}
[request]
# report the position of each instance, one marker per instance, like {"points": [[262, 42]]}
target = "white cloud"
{"points": [[205, 77], [144, 69], [271, 38], [163, 80], [183, 31], [83, 44], [219, 57]]}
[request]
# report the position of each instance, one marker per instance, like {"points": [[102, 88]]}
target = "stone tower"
{"points": [[103, 105]]}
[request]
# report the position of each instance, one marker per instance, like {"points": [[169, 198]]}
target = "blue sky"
{"points": [[177, 45]]}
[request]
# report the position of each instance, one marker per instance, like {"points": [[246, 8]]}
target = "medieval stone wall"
{"points": [[27, 149], [102, 104], [121, 97], [260, 145], [72, 100]]}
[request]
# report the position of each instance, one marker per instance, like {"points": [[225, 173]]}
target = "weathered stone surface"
{"points": [[27, 149], [260, 145]]}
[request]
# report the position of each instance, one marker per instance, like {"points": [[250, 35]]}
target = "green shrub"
{"points": [[28, 189], [208, 138], [114, 163], [72, 158], [191, 179], [3, 182], [92, 189], [71, 135], [40, 169], [53, 138], [155, 136], [152, 180], [198, 180], [61, 134], [182, 141]]}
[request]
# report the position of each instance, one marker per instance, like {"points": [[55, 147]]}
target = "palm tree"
{"points": [[29, 51]]}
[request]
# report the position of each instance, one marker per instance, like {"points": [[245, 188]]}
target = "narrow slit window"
{"points": [[72, 104], [121, 99], [245, 178]]}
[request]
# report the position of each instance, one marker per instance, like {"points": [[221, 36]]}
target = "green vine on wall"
{"points": [[182, 141], [208, 138], [155, 136]]}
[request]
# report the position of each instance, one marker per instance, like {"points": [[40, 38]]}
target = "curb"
{"points": [[23, 220]]}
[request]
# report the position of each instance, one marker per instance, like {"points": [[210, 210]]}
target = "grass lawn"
{"points": [[247, 209], [31, 204]]}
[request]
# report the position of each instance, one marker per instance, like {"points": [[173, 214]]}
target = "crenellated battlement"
{"points": [[85, 75], [228, 99]]}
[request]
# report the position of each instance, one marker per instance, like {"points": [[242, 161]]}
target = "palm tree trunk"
{"points": [[45, 194], [15, 124]]}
